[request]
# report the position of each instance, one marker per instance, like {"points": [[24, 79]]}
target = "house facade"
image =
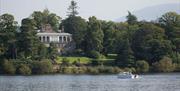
{"points": [[63, 41]]}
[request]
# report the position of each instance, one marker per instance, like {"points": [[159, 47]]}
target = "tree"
{"points": [[77, 26], [52, 51], [176, 42], [131, 19], [73, 9], [109, 41], [94, 36], [110, 36], [8, 36], [125, 55], [45, 17], [149, 43], [42, 52], [175, 57], [170, 21], [28, 41]]}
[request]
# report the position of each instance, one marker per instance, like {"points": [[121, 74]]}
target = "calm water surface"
{"points": [[153, 82]]}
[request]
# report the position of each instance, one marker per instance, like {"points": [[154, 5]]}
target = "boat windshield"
{"points": [[126, 73]]}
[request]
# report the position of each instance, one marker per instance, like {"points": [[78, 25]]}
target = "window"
{"points": [[60, 39], [48, 39], [64, 39], [44, 39]]}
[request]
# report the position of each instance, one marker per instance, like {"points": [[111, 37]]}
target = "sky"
{"points": [[102, 9]]}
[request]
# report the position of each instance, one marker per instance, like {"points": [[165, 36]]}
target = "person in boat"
{"points": [[135, 76]]}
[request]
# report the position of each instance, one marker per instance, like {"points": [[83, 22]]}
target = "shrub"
{"points": [[24, 69], [127, 69], [164, 65], [101, 69], [117, 70], [82, 69], [75, 70], [94, 54], [8, 67], [78, 70], [92, 70], [67, 70], [142, 66], [42, 67], [109, 70], [106, 69]]}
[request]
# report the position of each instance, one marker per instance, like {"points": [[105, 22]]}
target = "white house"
{"points": [[63, 41]]}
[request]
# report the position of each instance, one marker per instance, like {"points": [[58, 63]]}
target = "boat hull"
{"points": [[128, 76]]}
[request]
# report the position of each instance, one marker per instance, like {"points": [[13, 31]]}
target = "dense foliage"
{"points": [[131, 40]]}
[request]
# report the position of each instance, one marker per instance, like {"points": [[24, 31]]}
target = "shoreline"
{"points": [[150, 73]]}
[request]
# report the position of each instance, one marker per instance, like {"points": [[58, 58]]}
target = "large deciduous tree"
{"points": [[171, 23], [77, 26], [149, 43], [94, 36], [8, 36], [109, 36], [45, 17], [28, 41]]}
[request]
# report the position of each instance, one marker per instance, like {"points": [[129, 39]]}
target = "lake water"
{"points": [[153, 82]]}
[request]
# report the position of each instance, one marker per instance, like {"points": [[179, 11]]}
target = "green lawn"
{"points": [[111, 56], [86, 60], [73, 59]]}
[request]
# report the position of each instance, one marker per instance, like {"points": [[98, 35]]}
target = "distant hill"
{"points": [[153, 12]]}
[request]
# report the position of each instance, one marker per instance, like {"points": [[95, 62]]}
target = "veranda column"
{"points": [[50, 39], [57, 38], [45, 38]]}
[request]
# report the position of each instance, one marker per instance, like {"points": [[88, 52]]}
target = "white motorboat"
{"points": [[127, 75]]}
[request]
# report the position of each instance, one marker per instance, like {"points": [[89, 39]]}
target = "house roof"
{"points": [[48, 31], [54, 34]]}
